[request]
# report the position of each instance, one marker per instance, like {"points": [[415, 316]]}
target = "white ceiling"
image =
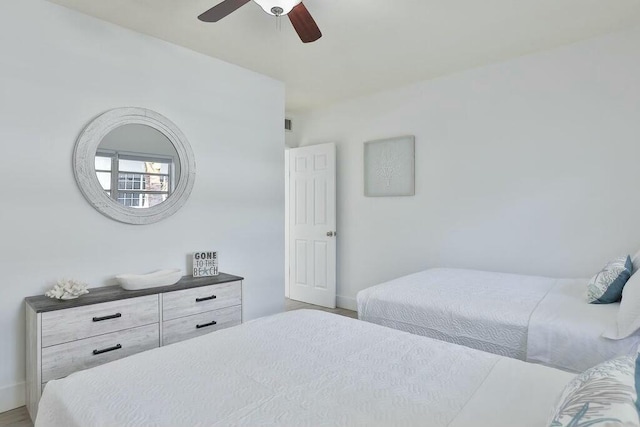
{"points": [[369, 45]]}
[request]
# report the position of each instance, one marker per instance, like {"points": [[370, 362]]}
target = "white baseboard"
{"points": [[12, 397], [346, 303]]}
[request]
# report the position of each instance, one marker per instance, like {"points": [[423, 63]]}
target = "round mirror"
{"points": [[134, 165], [137, 166]]}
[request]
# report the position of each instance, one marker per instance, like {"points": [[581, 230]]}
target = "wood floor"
{"points": [[290, 304], [20, 418], [15, 418]]}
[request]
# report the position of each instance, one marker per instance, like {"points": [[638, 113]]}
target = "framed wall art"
{"points": [[389, 167]]}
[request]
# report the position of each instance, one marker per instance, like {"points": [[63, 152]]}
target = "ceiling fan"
{"points": [[298, 14]]}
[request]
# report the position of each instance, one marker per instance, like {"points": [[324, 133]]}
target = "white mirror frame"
{"points": [[84, 165]]}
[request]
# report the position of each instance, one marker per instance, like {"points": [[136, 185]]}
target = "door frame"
{"points": [[287, 218]]}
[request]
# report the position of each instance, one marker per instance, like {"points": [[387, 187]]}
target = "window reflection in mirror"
{"points": [[137, 166]]}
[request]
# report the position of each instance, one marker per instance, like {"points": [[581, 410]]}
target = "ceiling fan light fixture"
{"points": [[278, 7], [300, 18]]}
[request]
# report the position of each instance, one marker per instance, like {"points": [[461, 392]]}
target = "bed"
{"points": [[536, 319], [306, 368]]}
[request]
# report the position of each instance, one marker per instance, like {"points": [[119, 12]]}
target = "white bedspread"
{"points": [[566, 332], [537, 319], [303, 368], [482, 310]]}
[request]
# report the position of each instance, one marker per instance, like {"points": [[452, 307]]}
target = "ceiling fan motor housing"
{"points": [[278, 7]]}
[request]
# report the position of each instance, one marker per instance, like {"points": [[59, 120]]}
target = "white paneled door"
{"points": [[312, 224]]}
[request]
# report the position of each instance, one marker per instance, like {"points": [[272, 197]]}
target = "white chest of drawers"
{"points": [[110, 323]]}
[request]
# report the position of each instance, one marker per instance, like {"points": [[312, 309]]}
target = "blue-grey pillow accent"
{"points": [[606, 286]]}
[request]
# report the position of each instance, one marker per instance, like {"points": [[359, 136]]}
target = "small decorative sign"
{"points": [[205, 264]]}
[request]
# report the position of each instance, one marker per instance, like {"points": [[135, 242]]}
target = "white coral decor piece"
{"points": [[67, 289]]}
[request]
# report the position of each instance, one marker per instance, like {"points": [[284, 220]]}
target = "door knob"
{"points": [[332, 233]]}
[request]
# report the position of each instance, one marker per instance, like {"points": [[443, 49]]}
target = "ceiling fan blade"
{"points": [[221, 10], [304, 24]]}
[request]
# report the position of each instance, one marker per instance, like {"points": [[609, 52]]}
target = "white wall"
{"points": [[528, 166], [291, 140], [58, 70], [286, 222], [292, 137]]}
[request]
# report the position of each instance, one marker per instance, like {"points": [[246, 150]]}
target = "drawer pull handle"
{"points": [[113, 316], [206, 299], [107, 350], [204, 325]]}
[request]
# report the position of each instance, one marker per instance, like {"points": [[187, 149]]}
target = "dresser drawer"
{"points": [[199, 300], [61, 360], [63, 326], [199, 324]]}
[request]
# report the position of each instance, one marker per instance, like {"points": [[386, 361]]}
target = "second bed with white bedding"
{"points": [[530, 318], [306, 368]]}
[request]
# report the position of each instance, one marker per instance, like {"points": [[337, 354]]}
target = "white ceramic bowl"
{"points": [[132, 282]]}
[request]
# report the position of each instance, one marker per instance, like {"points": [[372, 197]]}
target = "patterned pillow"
{"points": [[605, 395], [606, 286]]}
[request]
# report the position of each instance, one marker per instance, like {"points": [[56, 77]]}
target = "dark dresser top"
{"points": [[43, 303]]}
